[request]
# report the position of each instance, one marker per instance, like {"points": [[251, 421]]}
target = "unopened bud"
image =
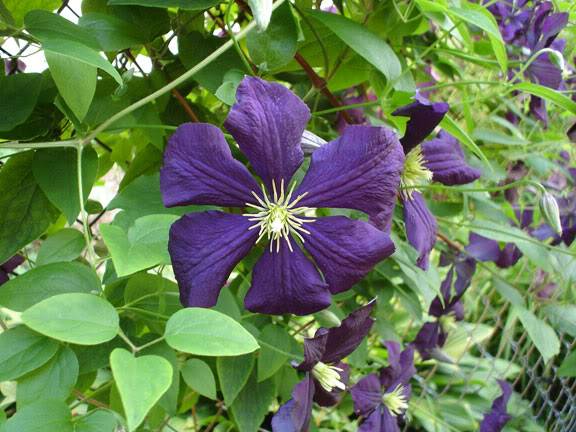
{"points": [[328, 319], [550, 211]]}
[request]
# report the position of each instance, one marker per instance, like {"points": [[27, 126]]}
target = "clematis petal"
{"points": [[496, 419], [344, 339], [314, 349], [401, 367], [551, 26], [325, 398], [199, 169], [286, 282], [424, 117], [267, 122], [388, 423], [366, 394], [429, 338], [294, 415], [421, 227], [482, 248], [374, 422], [542, 71], [538, 109], [508, 256], [445, 158], [360, 170], [345, 250], [205, 247]]}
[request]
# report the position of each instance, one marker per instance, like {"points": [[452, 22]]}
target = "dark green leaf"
{"points": [[18, 96], [18, 8], [43, 282], [548, 94], [233, 373], [568, 366], [252, 404], [182, 4], [66, 245], [26, 212], [42, 416], [542, 335], [83, 319], [270, 360], [96, 421], [112, 33], [49, 26]]}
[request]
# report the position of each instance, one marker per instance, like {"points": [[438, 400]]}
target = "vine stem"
{"points": [[51, 144], [175, 83], [83, 214]]}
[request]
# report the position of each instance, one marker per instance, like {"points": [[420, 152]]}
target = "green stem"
{"points": [[125, 338], [345, 107], [53, 144], [149, 344], [235, 40], [485, 189], [83, 214], [175, 83]]}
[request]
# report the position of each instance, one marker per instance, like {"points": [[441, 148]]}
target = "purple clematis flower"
{"points": [[381, 399], [496, 419], [440, 159], [9, 266], [360, 170], [432, 336], [13, 66], [326, 375]]}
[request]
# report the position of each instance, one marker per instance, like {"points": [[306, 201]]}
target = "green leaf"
{"points": [[453, 128], [96, 421], [252, 404], [66, 245], [207, 332], [145, 244], [46, 281], [18, 8], [83, 319], [550, 95], [568, 366], [169, 400], [541, 334], [141, 382], [113, 33], [42, 416], [269, 360], [18, 96], [367, 44], [199, 377], [48, 26], [54, 380], [182, 4], [76, 81], [563, 317], [22, 351], [26, 212], [275, 47], [56, 171], [233, 373]]}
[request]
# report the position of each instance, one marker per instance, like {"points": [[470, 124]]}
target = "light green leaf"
{"points": [[199, 377], [43, 282], [182, 4], [43, 416], [269, 360], [96, 421], [145, 244], [568, 366], [546, 93], [541, 334], [562, 317], [453, 128], [54, 380], [252, 404], [141, 382], [22, 351], [26, 212], [169, 400], [66, 245], [56, 171], [82, 319], [367, 44], [208, 332], [18, 96], [233, 373], [18, 8], [276, 46]]}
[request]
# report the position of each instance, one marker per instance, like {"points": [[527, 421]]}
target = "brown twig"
{"points": [[449, 242], [216, 416], [320, 84], [91, 401]]}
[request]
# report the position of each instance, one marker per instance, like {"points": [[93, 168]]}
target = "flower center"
{"points": [[278, 217], [414, 173], [396, 400], [328, 376]]}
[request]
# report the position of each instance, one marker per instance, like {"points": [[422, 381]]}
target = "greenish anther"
{"points": [[396, 401], [414, 173]]}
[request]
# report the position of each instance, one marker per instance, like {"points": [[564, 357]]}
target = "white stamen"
{"points": [[396, 400], [277, 219], [328, 376]]}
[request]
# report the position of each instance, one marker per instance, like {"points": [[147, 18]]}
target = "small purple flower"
{"points": [[382, 399], [440, 159], [432, 336], [496, 419], [360, 170], [356, 114], [9, 266], [326, 375], [13, 66]]}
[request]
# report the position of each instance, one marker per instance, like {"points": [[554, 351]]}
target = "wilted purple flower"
{"points": [[381, 399], [496, 419], [13, 65], [440, 159], [360, 170], [9, 266], [326, 375], [432, 336]]}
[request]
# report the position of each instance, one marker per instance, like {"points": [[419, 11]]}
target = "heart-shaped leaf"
{"points": [[141, 382]]}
